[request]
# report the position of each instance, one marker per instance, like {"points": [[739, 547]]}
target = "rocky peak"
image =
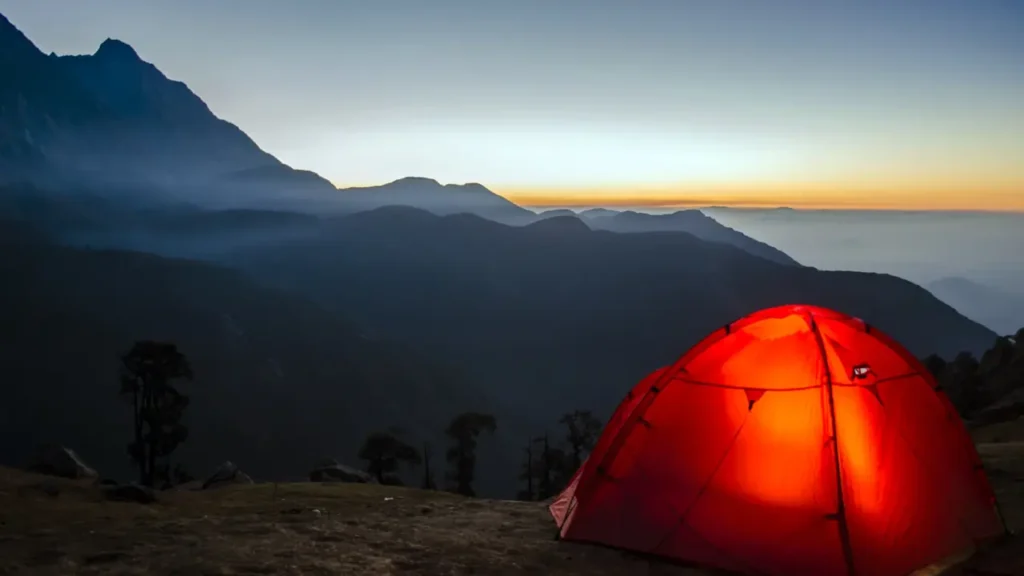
{"points": [[112, 49]]}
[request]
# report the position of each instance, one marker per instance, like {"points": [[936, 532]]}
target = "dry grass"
{"points": [[362, 529], [260, 529]]}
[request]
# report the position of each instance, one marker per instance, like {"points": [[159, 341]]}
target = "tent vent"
{"points": [[861, 372]]}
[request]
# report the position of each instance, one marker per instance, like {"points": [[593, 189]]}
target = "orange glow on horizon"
{"points": [[1004, 198]]}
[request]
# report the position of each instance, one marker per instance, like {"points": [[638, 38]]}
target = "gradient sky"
{"points": [[868, 103]]}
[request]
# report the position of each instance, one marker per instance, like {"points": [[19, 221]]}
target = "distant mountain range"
{"points": [[110, 121], [558, 311], [690, 221]]}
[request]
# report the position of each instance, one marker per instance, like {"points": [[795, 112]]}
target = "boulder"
{"points": [[130, 493], [56, 460], [50, 489], [332, 471], [226, 474]]}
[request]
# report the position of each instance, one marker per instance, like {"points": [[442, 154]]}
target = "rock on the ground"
{"points": [[48, 488], [56, 460], [130, 493], [227, 473], [332, 471], [190, 486]]}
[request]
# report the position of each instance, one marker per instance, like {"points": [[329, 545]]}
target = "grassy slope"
{"points": [[263, 529]]}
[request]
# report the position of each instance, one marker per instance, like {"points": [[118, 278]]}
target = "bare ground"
{"points": [[54, 526]]}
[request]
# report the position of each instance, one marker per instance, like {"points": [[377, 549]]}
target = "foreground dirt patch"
{"points": [[51, 526], [285, 529]]}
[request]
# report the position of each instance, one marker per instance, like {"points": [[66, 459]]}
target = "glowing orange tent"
{"points": [[794, 441]]}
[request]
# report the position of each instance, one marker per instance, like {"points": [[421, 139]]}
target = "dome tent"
{"points": [[794, 441]]}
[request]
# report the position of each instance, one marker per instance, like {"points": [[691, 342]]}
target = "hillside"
{"points": [[590, 312], [280, 382], [441, 199], [690, 221], [307, 528], [1002, 311]]}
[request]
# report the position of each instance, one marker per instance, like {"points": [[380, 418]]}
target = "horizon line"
{"points": [[841, 200], [761, 208]]}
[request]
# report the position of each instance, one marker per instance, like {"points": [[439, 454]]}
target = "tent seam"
{"points": [[844, 530], [704, 487]]}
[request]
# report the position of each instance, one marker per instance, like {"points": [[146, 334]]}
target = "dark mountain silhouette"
{"points": [[280, 382], [431, 195], [36, 97], [566, 314], [561, 226], [112, 120], [691, 221], [557, 212], [596, 212], [999, 310]]}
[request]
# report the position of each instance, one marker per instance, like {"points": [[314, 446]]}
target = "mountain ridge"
{"points": [[593, 310], [691, 221], [1001, 310], [112, 119], [135, 126]]}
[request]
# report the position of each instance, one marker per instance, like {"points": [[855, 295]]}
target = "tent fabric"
{"points": [[794, 441]]}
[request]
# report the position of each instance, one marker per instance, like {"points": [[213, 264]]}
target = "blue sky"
{"points": [[580, 98]]}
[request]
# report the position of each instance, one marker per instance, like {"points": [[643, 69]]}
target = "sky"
{"points": [[824, 103]]}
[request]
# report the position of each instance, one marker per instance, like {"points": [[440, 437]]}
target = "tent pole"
{"points": [[844, 530]]}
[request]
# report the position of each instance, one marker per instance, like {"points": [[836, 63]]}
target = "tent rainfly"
{"points": [[795, 441]]}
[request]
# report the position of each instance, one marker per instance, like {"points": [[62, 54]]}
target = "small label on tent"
{"points": [[861, 372]]}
